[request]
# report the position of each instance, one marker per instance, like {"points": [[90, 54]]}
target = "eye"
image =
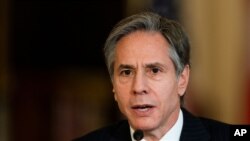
{"points": [[126, 72], [155, 70]]}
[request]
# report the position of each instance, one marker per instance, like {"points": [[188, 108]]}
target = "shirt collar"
{"points": [[172, 135]]}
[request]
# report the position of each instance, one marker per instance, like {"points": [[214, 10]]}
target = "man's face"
{"points": [[145, 83]]}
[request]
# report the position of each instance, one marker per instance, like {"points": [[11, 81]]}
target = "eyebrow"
{"points": [[149, 65], [156, 64], [126, 66]]}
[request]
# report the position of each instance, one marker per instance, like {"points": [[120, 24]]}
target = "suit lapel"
{"points": [[193, 129], [122, 133]]}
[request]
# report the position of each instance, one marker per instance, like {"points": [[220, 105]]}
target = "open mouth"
{"points": [[144, 107]]}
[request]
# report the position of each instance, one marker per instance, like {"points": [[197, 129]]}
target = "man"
{"points": [[148, 60]]}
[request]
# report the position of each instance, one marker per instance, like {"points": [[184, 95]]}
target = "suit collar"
{"points": [[193, 129], [122, 133]]}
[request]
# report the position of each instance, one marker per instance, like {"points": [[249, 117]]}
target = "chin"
{"points": [[143, 124]]}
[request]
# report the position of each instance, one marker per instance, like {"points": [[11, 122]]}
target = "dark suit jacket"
{"points": [[194, 129]]}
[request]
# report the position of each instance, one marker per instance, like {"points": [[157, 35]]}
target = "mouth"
{"points": [[143, 107]]}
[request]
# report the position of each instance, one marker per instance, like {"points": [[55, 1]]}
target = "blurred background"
{"points": [[54, 85]]}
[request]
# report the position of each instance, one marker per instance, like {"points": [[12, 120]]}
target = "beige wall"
{"points": [[218, 38], [217, 30]]}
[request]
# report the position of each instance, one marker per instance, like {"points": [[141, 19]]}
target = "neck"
{"points": [[157, 134]]}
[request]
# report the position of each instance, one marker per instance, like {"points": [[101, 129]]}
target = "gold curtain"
{"points": [[217, 30]]}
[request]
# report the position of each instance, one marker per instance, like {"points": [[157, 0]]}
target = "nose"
{"points": [[140, 84]]}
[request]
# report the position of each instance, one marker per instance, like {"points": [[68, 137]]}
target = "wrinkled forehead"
{"points": [[148, 47]]}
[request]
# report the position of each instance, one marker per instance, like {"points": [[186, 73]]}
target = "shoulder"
{"points": [[106, 133], [204, 128], [214, 124], [216, 128]]}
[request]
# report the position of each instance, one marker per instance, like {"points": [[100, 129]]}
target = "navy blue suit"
{"points": [[194, 129]]}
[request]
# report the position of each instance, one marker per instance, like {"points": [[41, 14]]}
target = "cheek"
{"points": [[121, 88], [168, 99], [121, 93], [167, 91], [122, 100]]}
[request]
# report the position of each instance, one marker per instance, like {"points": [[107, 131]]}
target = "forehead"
{"points": [[144, 45], [141, 35]]}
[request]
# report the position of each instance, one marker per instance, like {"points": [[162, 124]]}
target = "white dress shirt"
{"points": [[172, 135]]}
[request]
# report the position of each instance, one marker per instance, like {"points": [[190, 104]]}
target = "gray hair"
{"points": [[148, 21]]}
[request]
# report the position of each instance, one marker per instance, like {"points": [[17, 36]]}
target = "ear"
{"points": [[183, 80], [114, 94]]}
